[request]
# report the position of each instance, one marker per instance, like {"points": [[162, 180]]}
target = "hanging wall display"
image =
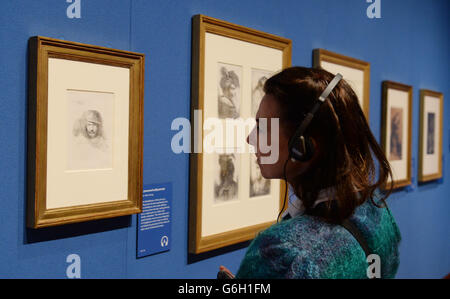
{"points": [[85, 132], [356, 72], [396, 131], [230, 201], [430, 136]]}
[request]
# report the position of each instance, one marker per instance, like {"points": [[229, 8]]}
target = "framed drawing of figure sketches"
{"points": [[230, 201]]}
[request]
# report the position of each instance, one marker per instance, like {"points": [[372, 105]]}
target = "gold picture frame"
{"points": [[396, 128], [232, 38], [338, 63], [68, 184], [430, 137]]}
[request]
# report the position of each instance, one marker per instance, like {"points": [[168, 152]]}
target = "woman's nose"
{"points": [[251, 138]]}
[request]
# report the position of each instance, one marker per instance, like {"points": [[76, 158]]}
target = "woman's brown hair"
{"points": [[344, 139]]}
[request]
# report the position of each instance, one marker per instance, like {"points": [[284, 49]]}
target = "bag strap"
{"points": [[356, 233]]}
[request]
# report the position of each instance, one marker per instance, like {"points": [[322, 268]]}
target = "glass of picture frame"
{"points": [[354, 71], [396, 131], [85, 132], [430, 135], [230, 201]]}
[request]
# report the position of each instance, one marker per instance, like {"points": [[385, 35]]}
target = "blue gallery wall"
{"points": [[409, 44]]}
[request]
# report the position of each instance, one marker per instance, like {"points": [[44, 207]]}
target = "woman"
{"points": [[336, 184]]}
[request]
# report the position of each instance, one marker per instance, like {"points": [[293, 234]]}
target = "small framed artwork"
{"points": [[396, 131], [430, 136], [230, 201], [356, 72], [85, 132]]}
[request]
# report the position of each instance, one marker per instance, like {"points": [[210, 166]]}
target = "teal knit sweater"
{"points": [[306, 247]]}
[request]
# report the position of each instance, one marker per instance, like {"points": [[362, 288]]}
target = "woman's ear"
{"points": [[316, 149]]}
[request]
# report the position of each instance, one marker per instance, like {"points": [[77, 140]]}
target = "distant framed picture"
{"points": [[430, 135], [396, 131], [85, 132], [356, 72], [230, 201]]}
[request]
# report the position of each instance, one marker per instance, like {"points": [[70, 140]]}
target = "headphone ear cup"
{"points": [[309, 149], [296, 149]]}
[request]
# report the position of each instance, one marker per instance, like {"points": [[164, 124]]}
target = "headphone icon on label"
{"points": [[164, 241]]}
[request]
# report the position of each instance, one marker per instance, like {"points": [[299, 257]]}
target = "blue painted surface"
{"points": [[409, 44]]}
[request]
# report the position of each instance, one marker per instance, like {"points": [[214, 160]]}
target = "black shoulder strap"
{"points": [[348, 225]]}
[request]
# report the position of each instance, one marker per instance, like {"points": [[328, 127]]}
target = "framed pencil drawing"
{"points": [[430, 135], [396, 131], [356, 72], [230, 201], [84, 132]]}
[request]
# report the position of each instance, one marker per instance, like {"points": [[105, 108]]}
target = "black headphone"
{"points": [[300, 146]]}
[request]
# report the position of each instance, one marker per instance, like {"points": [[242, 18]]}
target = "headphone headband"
{"points": [[330, 87]]}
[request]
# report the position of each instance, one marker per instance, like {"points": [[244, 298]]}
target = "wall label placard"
{"points": [[154, 223]]}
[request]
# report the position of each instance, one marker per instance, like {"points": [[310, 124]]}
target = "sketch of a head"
{"points": [[90, 125], [93, 125], [396, 123], [396, 134], [229, 82], [261, 82], [430, 133], [226, 167], [227, 188]]}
